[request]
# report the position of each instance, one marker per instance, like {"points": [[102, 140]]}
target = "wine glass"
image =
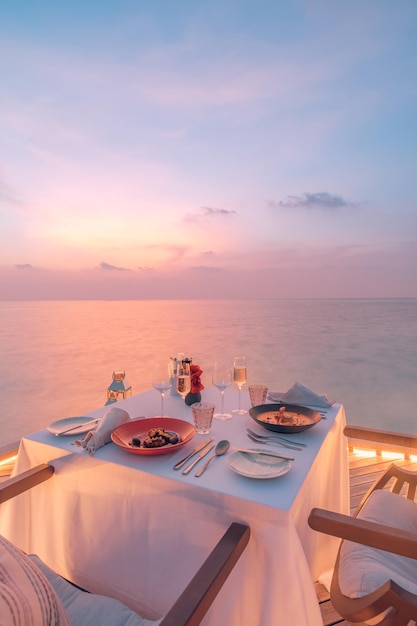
{"points": [[222, 378], [162, 381], [239, 377], [183, 381]]}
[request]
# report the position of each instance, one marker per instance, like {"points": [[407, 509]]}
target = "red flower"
{"points": [[196, 384]]}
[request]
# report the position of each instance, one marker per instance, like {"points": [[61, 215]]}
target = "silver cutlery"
{"points": [[277, 441], [197, 449], [200, 456], [265, 453], [276, 436], [68, 430], [221, 448]]}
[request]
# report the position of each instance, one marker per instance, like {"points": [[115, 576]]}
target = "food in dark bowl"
{"points": [[284, 418]]}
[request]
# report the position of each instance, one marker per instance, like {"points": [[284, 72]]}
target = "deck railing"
{"points": [[380, 440]]}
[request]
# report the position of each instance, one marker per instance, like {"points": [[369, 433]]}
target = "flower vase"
{"points": [[190, 398]]}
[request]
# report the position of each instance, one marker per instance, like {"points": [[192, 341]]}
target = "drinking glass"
{"points": [[257, 394], [162, 380], [183, 381], [222, 378], [202, 416], [239, 377]]}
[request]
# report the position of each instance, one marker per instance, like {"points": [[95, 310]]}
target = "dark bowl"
{"points": [[303, 417]]}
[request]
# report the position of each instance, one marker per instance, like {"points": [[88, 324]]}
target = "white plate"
{"points": [[71, 422], [258, 465]]}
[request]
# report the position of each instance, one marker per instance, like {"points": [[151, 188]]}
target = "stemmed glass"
{"points": [[162, 381], [183, 381], [239, 377], [222, 378]]}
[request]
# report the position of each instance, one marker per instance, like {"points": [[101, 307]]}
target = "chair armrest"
{"points": [[24, 481], [197, 598], [361, 531]]}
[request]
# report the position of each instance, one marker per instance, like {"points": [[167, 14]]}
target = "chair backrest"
{"points": [[398, 605]]}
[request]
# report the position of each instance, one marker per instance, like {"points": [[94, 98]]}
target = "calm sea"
{"points": [[57, 358]]}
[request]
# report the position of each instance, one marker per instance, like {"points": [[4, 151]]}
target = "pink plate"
{"points": [[122, 436]]}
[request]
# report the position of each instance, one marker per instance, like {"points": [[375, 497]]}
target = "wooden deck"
{"points": [[366, 462]]}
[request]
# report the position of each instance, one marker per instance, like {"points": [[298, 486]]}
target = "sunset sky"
{"points": [[208, 149]]}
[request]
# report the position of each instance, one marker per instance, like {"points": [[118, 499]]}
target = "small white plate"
{"points": [[71, 422], [258, 465]]}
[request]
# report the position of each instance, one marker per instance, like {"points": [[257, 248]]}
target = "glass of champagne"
{"points": [[222, 378], [183, 381], [239, 377], [162, 380]]}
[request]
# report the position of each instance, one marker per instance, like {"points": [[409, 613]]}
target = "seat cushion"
{"points": [[364, 569], [88, 608], [26, 597]]}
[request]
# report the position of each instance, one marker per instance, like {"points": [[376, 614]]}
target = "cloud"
{"points": [[321, 200], [109, 267], [207, 211], [23, 266]]}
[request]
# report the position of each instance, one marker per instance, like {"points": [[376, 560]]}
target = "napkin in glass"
{"points": [[300, 394], [97, 438]]}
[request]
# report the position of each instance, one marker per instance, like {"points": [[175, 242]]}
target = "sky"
{"points": [[208, 149]]}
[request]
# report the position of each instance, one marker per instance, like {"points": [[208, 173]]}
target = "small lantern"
{"points": [[118, 389]]}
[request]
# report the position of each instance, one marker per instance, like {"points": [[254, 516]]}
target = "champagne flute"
{"points": [[239, 377], [162, 381], [183, 381], [222, 378]]}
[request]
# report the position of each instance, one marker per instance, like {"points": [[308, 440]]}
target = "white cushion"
{"points": [[88, 608], [364, 569], [26, 597]]}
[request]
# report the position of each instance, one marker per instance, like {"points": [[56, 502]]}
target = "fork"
{"points": [[275, 436], [277, 441]]}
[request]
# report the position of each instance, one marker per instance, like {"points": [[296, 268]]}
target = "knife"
{"points": [[265, 453], [197, 449], [200, 456], [68, 430]]}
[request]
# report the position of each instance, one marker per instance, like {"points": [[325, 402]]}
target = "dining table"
{"points": [[130, 526]]}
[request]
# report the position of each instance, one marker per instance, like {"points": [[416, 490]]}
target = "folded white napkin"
{"points": [[95, 439], [300, 394]]}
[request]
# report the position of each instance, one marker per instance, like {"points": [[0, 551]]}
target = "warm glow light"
{"points": [[392, 455], [9, 459], [386, 454], [364, 453]]}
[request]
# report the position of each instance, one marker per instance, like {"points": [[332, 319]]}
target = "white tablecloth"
{"points": [[132, 527]]}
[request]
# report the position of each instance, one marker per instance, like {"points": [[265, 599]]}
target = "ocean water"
{"points": [[57, 358]]}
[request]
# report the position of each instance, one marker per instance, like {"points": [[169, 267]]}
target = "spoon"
{"points": [[221, 448]]}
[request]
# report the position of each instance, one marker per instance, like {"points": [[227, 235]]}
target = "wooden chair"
{"points": [[196, 599], [369, 585]]}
